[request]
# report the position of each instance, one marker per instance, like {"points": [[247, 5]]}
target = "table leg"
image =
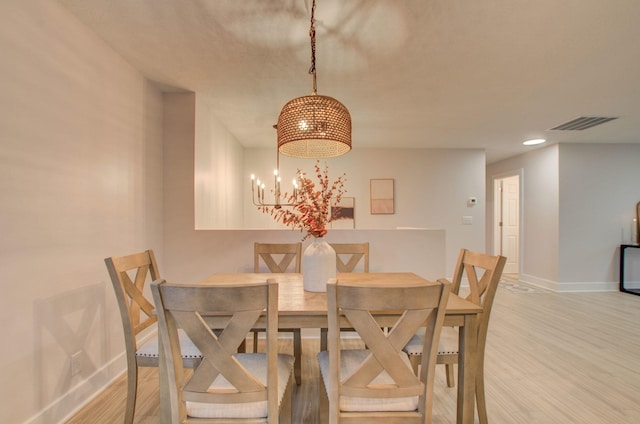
{"points": [[467, 364]]}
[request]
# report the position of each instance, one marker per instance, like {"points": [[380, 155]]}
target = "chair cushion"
{"points": [[256, 364], [149, 349], [448, 343], [351, 359]]}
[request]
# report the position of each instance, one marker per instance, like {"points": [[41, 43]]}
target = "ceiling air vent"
{"points": [[583, 123]]}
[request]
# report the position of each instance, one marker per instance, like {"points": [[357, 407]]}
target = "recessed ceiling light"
{"points": [[534, 142]]}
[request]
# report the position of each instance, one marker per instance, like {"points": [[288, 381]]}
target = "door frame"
{"points": [[495, 216]]}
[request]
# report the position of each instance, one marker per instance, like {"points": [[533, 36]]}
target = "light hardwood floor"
{"points": [[551, 359]]}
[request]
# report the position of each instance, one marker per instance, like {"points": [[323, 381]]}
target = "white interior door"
{"points": [[510, 217]]}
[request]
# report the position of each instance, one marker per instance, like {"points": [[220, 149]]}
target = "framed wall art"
{"points": [[343, 214], [382, 196]]}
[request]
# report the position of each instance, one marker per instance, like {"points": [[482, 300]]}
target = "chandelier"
{"points": [[311, 126], [314, 126], [258, 188]]}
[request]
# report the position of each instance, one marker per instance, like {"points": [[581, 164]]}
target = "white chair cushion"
{"points": [[256, 364], [349, 360], [149, 349], [448, 343]]}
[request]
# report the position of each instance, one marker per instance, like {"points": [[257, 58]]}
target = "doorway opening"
{"points": [[506, 222]]}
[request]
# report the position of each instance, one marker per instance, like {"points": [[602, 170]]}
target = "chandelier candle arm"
{"points": [[310, 204], [276, 183], [258, 190]]}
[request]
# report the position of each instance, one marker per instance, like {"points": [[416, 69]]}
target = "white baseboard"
{"points": [[63, 408], [588, 286], [539, 282], [567, 287], [67, 405]]}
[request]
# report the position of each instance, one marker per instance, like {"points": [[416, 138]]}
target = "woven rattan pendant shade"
{"points": [[314, 126]]}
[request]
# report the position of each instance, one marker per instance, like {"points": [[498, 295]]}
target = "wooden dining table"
{"points": [[298, 308]]}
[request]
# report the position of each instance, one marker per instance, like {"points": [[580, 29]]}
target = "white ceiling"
{"points": [[413, 73]]}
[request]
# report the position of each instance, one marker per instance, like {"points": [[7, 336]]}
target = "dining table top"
{"points": [[294, 300]]}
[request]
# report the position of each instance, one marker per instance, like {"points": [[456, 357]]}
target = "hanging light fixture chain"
{"points": [[312, 34], [308, 127], [314, 126]]}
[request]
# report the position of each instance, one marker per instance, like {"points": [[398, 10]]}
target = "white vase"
{"points": [[318, 265]]}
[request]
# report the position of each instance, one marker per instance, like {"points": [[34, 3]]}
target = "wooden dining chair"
{"points": [[129, 274], [280, 258], [448, 351], [349, 255], [227, 386], [483, 273], [377, 384]]}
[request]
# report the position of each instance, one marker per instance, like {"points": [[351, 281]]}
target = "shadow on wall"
{"points": [[70, 339]]}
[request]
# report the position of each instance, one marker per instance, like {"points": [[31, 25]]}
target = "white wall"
{"points": [[191, 255], [218, 172], [431, 189], [80, 180], [599, 189], [540, 204], [579, 201]]}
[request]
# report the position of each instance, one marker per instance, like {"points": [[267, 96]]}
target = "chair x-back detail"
{"points": [[377, 384], [278, 257], [281, 258], [349, 255], [129, 274], [227, 386], [483, 273]]}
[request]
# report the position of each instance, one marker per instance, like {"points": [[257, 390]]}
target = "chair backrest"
{"points": [[348, 255], [278, 257], [128, 275], [483, 273], [421, 304], [458, 272], [186, 306]]}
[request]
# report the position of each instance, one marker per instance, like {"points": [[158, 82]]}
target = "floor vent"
{"points": [[583, 123]]}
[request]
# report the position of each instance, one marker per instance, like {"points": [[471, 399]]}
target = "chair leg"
{"points": [[132, 391], [480, 397], [255, 341], [285, 406], [323, 408], [323, 339], [297, 354], [451, 381]]}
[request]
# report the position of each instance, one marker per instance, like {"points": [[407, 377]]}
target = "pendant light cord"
{"points": [[312, 34], [314, 126]]}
